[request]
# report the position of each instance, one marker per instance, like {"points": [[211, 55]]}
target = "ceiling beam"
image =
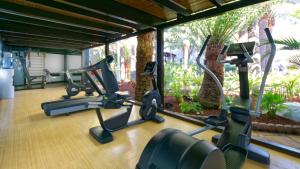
{"points": [[20, 38], [178, 8], [217, 3], [46, 50], [131, 35], [38, 30], [60, 18], [211, 12], [17, 17], [63, 5], [4, 33], [29, 43], [119, 10]]}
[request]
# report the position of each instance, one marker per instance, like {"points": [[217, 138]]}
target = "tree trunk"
{"points": [[268, 20], [143, 55], [209, 95]]}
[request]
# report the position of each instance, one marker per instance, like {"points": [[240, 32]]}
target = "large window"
{"points": [[188, 93]]}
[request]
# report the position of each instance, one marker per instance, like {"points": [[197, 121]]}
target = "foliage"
{"points": [[126, 54], [229, 99], [181, 81], [296, 14], [272, 102], [289, 84], [254, 81], [295, 60], [289, 43], [186, 107], [231, 82], [222, 28]]}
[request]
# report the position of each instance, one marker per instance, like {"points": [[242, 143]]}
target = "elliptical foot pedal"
{"points": [[102, 136], [158, 119], [255, 153]]}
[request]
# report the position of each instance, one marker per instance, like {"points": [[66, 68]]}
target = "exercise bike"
{"points": [[151, 101], [170, 148]]}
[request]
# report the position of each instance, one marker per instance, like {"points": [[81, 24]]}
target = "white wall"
{"points": [[73, 61], [55, 63]]}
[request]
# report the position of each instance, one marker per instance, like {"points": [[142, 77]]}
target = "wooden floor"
{"points": [[29, 139]]}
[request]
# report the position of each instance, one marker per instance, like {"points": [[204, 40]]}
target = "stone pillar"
{"points": [[143, 55]]}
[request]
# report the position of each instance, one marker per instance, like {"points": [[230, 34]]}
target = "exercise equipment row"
{"points": [[170, 148]]}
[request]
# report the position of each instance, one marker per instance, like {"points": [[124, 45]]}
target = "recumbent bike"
{"points": [[171, 148]]}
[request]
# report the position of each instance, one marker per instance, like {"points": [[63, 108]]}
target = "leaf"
{"points": [[289, 43]]}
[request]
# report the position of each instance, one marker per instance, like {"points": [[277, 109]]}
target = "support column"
{"points": [[118, 69], [1, 50], [160, 62], [106, 49], [65, 66], [85, 58]]}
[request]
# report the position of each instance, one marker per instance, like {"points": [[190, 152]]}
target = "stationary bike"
{"points": [[174, 149], [151, 100]]}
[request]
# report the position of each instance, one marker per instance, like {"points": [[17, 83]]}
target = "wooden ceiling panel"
{"points": [[184, 3], [160, 11], [151, 8]]}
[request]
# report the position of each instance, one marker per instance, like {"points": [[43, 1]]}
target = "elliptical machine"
{"points": [[73, 88], [170, 148], [151, 101]]}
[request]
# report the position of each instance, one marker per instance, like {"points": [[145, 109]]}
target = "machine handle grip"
{"points": [[203, 47], [269, 36], [224, 50]]}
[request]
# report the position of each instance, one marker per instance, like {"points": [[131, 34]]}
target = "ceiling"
{"points": [[78, 24]]}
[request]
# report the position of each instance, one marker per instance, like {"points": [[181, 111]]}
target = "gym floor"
{"points": [[30, 139]]}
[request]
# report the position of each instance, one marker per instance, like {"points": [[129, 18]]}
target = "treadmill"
{"points": [[65, 107]]}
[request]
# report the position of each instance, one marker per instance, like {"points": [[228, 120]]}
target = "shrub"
{"points": [[272, 102], [192, 107], [229, 99], [180, 81]]}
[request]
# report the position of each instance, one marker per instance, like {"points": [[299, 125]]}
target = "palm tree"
{"points": [[222, 30], [144, 52]]}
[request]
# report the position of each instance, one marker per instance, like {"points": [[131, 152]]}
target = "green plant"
{"points": [[254, 80], [229, 99], [289, 43], [272, 102], [231, 81], [193, 107], [181, 81], [290, 83], [176, 91]]}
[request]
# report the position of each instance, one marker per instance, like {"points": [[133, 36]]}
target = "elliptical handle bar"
{"points": [[267, 70], [203, 47], [210, 73], [224, 50]]}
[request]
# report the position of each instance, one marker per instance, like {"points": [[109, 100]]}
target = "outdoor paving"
{"points": [[285, 139]]}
